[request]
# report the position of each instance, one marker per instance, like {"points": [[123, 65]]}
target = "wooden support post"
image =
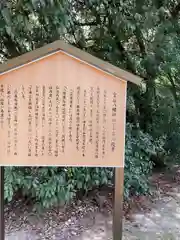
{"points": [[2, 231], [118, 204]]}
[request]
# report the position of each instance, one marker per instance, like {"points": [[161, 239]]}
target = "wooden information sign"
{"points": [[60, 106]]}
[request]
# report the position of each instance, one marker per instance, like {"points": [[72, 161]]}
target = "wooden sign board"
{"points": [[61, 110]]}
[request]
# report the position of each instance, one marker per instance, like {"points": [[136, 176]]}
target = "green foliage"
{"points": [[139, 147], [50, 186]]}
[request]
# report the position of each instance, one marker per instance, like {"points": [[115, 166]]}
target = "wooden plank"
{"points": [[74, 52], [40, 125], [2, 229]]}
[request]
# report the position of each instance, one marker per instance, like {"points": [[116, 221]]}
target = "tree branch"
{"points": [[85, 24], [173, 89], [139, 37], [175, 11], [11, 46]]}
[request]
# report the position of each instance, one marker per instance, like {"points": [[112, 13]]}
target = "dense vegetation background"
{"points": [[141, 36]]}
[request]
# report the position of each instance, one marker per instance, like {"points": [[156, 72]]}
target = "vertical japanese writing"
{"points": [[114, 109], [43, 119], [15, 121], [9, 118], [2, 105], [104, 123], [84, 124], [23, 92], [63, 113], [50, 92], [77, 118], [30, 121], [97, 122], [70, 114], [36, 120], [57, 121], [54, 119], [91, 115], [43, 105]]}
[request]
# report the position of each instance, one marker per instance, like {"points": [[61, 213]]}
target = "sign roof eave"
{"points": [[73, 51]]}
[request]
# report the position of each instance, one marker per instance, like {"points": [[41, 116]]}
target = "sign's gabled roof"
{"points": [[74, 52]]}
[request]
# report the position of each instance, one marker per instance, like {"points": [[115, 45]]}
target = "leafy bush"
{"points": [[139, 147], [49, 186], [53, 185]]}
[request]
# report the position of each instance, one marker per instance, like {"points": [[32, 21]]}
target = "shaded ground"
{"points": [[145, 219]]}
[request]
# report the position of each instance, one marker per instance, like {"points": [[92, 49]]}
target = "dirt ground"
{"points": [[145, 218]]}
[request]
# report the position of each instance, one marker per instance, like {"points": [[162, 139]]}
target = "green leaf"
{"points": [[6, 15]]}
